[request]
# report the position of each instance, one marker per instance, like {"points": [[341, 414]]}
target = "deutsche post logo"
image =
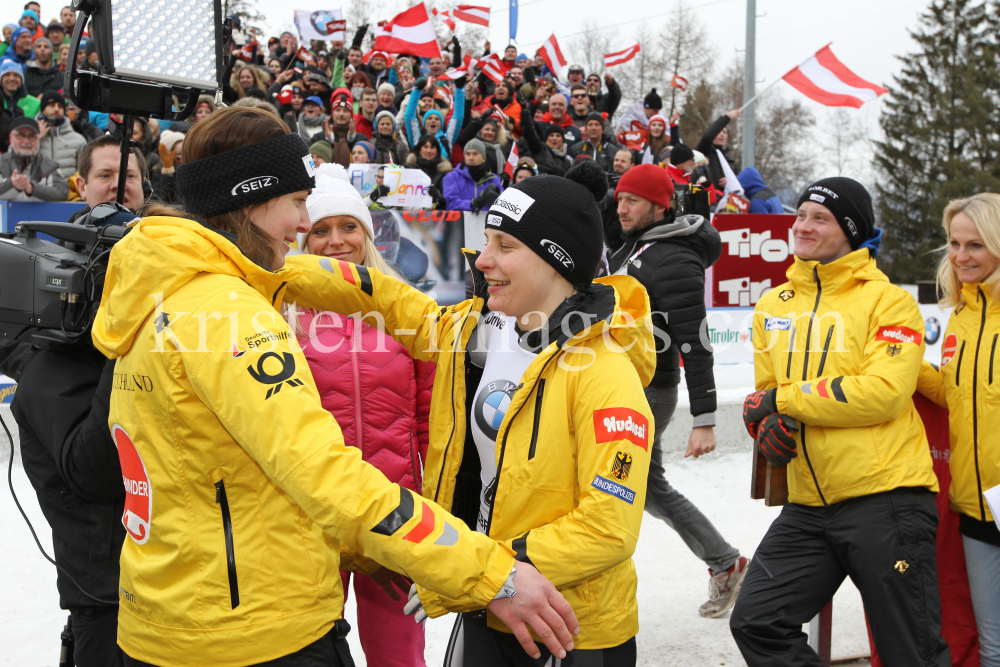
{"points": [[621, 466], [284, 374]]}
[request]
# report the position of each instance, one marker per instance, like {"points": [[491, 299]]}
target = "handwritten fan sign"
{"points": [[408, 188]]}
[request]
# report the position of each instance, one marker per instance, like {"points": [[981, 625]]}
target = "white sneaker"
{"points": [[723, 588]]}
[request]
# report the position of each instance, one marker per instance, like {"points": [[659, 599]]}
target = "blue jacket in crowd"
{"points": [[752, 184]]}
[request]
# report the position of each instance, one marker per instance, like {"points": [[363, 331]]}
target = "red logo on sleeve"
{"points": [[949, 349], [899, 335], [612, 424], [138, 492]]}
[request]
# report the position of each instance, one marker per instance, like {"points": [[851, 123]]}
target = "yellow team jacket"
{"points": [[239, 485], [843, 345], [968, 384], [573, 450]]}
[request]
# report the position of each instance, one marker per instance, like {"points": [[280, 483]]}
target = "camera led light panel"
{"points": [[170, 41]]}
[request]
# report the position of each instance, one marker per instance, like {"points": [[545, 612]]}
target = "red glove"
{"points": [[285, 96], [776, 441], [756, 407]]}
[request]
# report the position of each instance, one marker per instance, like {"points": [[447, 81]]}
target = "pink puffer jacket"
{"points": [[378, 394]]}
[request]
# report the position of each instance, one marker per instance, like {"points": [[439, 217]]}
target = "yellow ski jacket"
{"points": [[240, 489], [843, 346], [573, 447], [968, 384]]}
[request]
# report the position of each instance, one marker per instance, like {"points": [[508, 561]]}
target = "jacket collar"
{"points": [[838, 276], [974, 300]]}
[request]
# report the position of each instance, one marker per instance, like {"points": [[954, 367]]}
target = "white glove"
{"points": [[414, 607]]}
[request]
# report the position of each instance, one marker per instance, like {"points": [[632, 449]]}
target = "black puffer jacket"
{"points": [[61, 410], [672, 269]]}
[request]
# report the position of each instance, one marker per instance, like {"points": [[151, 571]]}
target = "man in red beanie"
{"points": [[669, 256]]}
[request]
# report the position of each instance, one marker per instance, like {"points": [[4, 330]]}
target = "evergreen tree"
{"points": [[940, 125]]}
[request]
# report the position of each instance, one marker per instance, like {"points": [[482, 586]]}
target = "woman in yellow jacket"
{"points": [[240, 491], [968, 384], [539, 427]]}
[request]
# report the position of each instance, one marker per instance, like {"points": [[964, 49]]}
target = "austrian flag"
{"points": [[511, 163], [826, 80], [553, 55], [619, 57], [410, 31], [473, 14]]}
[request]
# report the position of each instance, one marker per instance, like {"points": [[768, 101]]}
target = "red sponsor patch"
{"points": [[424, 528], [612, 424], [899, 335], [949, 349], [138, 491]]}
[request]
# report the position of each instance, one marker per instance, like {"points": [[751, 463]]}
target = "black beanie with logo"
{"points": [[850, 204], [557, 217]]}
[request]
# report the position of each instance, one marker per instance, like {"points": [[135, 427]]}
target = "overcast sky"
{"points": [[867, 35]]}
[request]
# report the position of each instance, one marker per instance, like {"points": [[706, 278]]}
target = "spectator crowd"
{"points": [[446, 116]]}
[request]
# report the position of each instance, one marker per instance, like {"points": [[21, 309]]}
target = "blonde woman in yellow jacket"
{"points": [[968, 383], [539, 427], [240, 491]]}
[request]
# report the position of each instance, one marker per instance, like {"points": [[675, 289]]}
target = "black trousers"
{"points": [[95, 637], [473, 644], [330, 650], [884, 542]]}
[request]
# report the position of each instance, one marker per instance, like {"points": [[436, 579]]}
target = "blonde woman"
{"points": [[246, 77], [968, 384], [377, 392]]}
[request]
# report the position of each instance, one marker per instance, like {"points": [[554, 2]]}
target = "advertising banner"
{"points": [[756, 251], [322, 24]]}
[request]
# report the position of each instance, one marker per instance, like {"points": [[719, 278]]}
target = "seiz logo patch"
{"points": [[138, 491], [612, 424], [949, 349], [255, 183], [284, 374], [899, 335], [494, 219], [557, 251], [779, 323], [512, 203], [614, 489]]}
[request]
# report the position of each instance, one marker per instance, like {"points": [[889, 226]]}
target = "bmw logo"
{"points": [[321, 22], [932, 330], [491, 406]]}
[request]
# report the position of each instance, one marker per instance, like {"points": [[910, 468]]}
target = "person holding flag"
{"points": [[716, 138]]}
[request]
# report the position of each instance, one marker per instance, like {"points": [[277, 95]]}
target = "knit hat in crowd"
{"points": [[553, 128], [11, 66], [369, 148], [341, 98], [652, 101], [595, 115], [476, 145], [50, 96], [47, 41], [323, 149], [384, 114], [334, 195], [557, 217], [649, 182], [388, 87], [681, 153], [850, 204], [666, 123]]}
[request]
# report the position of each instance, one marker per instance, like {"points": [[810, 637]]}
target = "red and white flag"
{"points": [[552, 55], [473, 14], [500, 115], [492, 68], [248, 52], [409, 32], [511, 162], [679, 82], [445, 18], [826, 80], [306, 56], [619, 57]]}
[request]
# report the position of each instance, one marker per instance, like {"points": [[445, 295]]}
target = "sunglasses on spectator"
{"points": [[575, 95]]}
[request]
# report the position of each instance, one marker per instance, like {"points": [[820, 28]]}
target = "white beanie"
{"points": [[334, 195]]}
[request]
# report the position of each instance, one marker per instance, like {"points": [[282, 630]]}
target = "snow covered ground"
{"points": [[672, 582]]}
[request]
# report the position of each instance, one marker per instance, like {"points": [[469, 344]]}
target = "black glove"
{"points": [[756, 407], [454, 40], [461, 81], [433, 192], [379, 191], [341, 55], [420, 83], [776, 441], [488, 197], [489, 111]]}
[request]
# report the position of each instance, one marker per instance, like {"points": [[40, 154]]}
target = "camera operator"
{"points": [[61, 410], [97, 180]]}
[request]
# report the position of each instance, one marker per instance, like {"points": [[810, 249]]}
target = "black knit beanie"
{"points": [[557, 217], [680, 154], [652, 101], [850, 204]]}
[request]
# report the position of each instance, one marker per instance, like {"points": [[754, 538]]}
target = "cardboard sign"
{"points": [[408, 188]]}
